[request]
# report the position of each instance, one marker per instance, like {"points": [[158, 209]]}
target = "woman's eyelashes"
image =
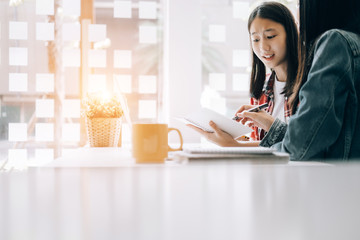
{"points": [[268, 37]]}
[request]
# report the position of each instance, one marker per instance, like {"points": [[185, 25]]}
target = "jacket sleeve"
{"points": [[275, 134], [320, 115]]}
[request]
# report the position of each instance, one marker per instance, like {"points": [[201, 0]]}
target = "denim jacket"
{"points": [[326, 125]]}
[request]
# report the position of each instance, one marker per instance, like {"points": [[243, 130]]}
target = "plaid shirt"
{"points": [[268, 96]]}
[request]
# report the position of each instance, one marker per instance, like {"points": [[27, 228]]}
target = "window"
{"points": [[53, 52]]}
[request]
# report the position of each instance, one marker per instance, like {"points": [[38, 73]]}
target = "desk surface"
{"points": [[218, 201], [121, 157]]}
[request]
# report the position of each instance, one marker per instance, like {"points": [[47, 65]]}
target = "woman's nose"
{"points": [[264, 46]]}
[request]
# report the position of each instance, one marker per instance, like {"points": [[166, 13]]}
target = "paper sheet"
{"points": [[202, 117]]}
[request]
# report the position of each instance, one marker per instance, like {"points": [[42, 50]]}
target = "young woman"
{"points": [[273, 36], [326, 95]]}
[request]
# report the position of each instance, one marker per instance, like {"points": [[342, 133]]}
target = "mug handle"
{"points": [[181, 140]]}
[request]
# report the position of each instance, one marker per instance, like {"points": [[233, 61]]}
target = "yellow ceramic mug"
{"points": [[150, 142]]}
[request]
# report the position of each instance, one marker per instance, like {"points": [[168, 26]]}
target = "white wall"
{"points": [[182, 63]]}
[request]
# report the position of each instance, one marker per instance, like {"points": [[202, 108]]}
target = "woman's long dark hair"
{"points": [[316, 17], [276, 12]]}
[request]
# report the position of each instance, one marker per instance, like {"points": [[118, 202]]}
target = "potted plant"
{"points": [[103, 116]]}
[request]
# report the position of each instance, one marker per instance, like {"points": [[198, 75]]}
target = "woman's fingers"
{"points": [[197, 129], [241, 109], [260, 119]]}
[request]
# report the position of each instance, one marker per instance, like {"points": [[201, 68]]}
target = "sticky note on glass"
{"points": [[71, 7], [44, 132], [147, 109], [97, 58], [71, 57], [17, 132], [241, 10], [44, 108], [18, 30], [17, 158], [44, 82], [45, 31], [122, 59], [44, 7], [122, 9], [97, 82], [241, 58], [18, 56], [217, 33], [241, 82], [148, 34], [147, 10], [71, 132], [71, 108], [18, 82], [147, 84], [44, 154], [217, 81], [71, 32], [97, 32], [122, 83]]}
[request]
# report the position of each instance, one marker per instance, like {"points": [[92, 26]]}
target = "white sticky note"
{"points": [[44, 108], [18, 56], [217, 81], [71, 132], [241, 82], [44, 132], [71, 57], [44, 7], [147, 109], [17, 132], [147, 10], [122, 9], [147, 34], [71, 7], [18, 82], [71, 108], [17, 158], [44, 82], [241, 58], [44, 154], [147, 84], [97, 32], [45, 31], [122, 83], [71, 32], [18, 30], [217, 33], [241, 10], [97, 58], [122, 59], [97, 82]]}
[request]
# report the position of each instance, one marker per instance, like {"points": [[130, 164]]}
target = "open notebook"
{"points": [[202, 117], [244, 154], [229, 150]]}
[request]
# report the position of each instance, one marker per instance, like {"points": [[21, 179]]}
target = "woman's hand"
{"points": [[218, 137], [260, 119]]}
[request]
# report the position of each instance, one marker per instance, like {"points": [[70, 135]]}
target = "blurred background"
{"points": [[167, 57]]}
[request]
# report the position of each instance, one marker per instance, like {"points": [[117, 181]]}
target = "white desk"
{"points": [[121, 157], [215, 201]]}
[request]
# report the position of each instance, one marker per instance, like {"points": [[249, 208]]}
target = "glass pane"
{"points": [[47, 49]]}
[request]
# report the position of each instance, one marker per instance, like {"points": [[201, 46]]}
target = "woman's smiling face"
{"points": [[268, 40]]}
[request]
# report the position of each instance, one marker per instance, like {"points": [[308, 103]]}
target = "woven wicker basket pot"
{"points": [[103, 132]]}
